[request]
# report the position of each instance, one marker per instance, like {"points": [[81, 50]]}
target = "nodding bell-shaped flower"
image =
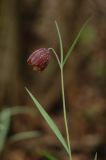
{"points": [[39, 59]]}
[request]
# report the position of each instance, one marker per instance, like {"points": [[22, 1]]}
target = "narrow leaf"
{"points": [[50, 122], [5, 119], [24, 136], [60, 41], [5, 123], [75, 41], [95, 158], [47, 155]]}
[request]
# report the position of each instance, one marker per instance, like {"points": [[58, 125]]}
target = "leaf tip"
{"points": [[55, 21], [95, 158], [26, 88]]}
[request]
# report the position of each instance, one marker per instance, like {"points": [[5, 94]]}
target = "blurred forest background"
{"points": [[26, 25]]}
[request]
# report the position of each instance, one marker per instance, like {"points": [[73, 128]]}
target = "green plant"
{"points": [[39, 64], [95, 158], [5, 120], [47, 155]]}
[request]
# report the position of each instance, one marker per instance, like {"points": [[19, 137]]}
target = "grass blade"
{"points": [[95, 158], [24, 136], [60, 41], [5, 119], [47, 155], [75, 41], [50, 122], [5, 123]]}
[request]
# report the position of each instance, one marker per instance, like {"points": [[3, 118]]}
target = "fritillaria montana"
{"points": [[39, 59]]}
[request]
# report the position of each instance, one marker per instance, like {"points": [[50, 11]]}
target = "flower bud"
{"points": [[39, 59]]}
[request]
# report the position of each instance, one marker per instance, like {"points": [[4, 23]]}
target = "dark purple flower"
{"points": [[39, 59]]}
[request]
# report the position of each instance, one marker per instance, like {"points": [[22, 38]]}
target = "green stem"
{"points": [[64, 105], [55, 56], [65, 115]]}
